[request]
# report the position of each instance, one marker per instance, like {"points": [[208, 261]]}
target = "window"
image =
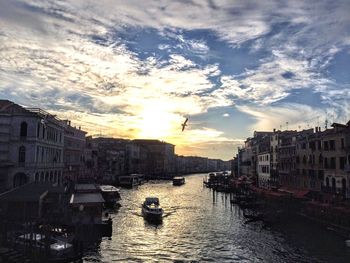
{"points": [[37, 153], [325, 162], [333, 163], [320, 175], [320, 158], [24, 127], [342, 161], [319, 145], [46, 176], [22, 154], [333, 183], [304, 159], [332, 145], [36, 177], [342, 143], [325, 145], [38, 130]]}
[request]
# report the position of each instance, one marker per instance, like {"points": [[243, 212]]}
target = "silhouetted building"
{"points": [[31, 146]]}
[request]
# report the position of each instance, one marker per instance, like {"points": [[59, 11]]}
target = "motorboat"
{"points": [[151, 210], [110, 194], [132, 180], [59, 249], [178, 180]]}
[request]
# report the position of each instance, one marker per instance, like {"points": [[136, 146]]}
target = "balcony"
{"points": [[332, 190]]}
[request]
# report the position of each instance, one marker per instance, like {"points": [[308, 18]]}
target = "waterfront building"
{"points": [[309, 161], [286, 159], [74, 152], [263, 170], [111, 160], [91, 159], [31, 146], [335, 154], [160, 157]]}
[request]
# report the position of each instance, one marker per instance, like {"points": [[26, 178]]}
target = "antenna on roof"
{"points": [[326, 124]]}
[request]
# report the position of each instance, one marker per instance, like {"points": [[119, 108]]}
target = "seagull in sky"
{"points": [[184, 124]]}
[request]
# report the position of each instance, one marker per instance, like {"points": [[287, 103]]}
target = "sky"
{"points": [[137, 69]]}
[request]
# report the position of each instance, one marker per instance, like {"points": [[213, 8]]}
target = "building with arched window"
{"points": [[32, 142]]}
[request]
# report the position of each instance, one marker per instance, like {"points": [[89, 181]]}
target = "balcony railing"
{"points": [[332, 190]]}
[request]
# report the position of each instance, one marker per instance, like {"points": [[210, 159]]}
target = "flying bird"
{"points": [[184, 124]]}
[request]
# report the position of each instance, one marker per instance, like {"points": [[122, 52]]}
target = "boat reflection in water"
{"points": [[151, 210]]}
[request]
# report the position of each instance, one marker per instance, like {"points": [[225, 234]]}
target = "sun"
{"points": [[155, 123]]}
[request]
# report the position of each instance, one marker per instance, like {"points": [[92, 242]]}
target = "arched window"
{"points": [[42, 177], [320, 158], [36, 177], [55, 177], [304, 159], [24, 127], [327, 182], [343, 185], [51, 176], [22, 154], [46, 176], [333, 183]]}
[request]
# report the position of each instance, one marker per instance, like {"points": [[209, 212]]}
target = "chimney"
{"points": [[274, 130]]}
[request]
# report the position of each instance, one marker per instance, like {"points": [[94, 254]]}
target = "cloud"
{"points": [[72, 58]]}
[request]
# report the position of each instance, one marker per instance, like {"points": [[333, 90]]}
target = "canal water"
{"points": [[201, 226]]}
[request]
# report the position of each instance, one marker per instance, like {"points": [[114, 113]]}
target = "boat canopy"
{"points": [[151, 200], [108, 188]]}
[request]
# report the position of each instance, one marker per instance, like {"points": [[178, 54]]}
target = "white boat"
{"points": [[110, 194], [129, 181], [59, 249], [151, 210]]}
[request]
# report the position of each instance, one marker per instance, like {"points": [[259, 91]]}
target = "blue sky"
{"points": [[136, 69]]}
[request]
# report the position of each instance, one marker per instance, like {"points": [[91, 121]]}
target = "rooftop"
{"points": [[86, 198]]}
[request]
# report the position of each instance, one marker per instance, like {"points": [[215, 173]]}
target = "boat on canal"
{"points": [[178, 180], [110, 194], [132, 180], [59, 250], [151, 209]]}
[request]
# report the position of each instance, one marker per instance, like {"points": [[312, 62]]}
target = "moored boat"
{"points": [[59, 250], [178, 180], [151, 209], [110, 194], [128, 181]]}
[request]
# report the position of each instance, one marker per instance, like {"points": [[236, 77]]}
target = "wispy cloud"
{"points": [[74, 58]]}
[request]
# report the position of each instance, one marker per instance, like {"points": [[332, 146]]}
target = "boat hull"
{"points": [[151, 216]]}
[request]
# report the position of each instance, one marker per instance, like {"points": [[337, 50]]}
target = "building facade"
{"points": [[31, 146], [74, 152]]}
